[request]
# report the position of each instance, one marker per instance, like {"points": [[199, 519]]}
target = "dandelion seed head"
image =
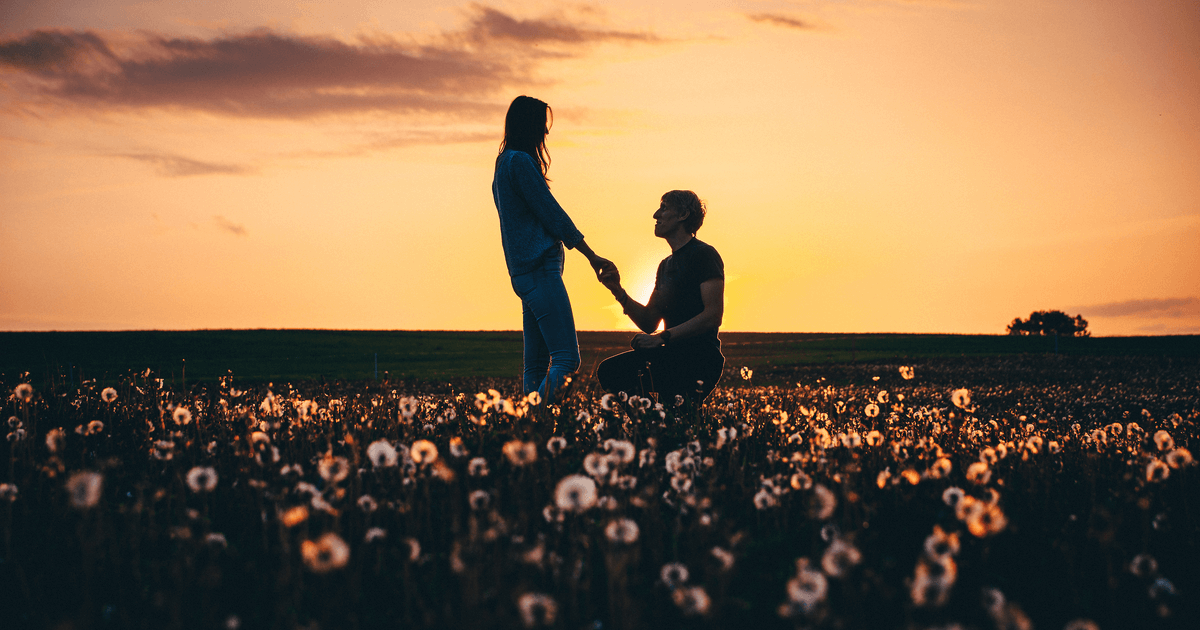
{"points": [[1156, 471], [479, 500], [423, 452], [556, 444], [622, 449], [55, 439], [537, 610], [1163, 440], [83, 489], [979, 473], [375, 534], [23, 392], [108, 395], [181, 416], [824, 502], [673, 574], [622, 531], [333, 469], [477, 467], [327, 553], [202, 479], [840, 557], [575, 493], [693, 601], [382, 454], [1143, 565], [520, 453], [961, 399], [1179, 458]]}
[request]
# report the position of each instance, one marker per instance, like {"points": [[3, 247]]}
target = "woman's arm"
{"points": [[712, 293], [599, 265]]}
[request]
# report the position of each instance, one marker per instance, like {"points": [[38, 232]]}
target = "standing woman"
{"points": [[533, 230]]}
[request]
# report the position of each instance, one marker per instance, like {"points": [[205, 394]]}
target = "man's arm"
{"points": [[712, 293], [645, 317]]}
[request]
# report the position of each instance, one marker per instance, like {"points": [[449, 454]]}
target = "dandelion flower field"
{"points": [[1027, 491]]}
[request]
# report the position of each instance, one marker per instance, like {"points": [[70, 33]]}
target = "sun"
{"points": [[639, 283]]}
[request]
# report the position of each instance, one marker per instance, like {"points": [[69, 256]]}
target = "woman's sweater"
{"points": [[531, 221]]}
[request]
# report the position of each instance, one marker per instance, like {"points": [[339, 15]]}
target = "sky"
{"points": [[914, 166]]}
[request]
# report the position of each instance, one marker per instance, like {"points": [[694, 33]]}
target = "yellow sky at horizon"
{"points": [[899, 167]]}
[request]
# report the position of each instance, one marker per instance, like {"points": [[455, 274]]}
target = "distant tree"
{"points": [[1049, 323]]}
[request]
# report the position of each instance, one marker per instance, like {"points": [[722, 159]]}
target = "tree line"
{"points": [[1050, 323]]}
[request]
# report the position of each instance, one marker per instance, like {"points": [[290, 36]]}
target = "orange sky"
{"points": [[869, 165]]}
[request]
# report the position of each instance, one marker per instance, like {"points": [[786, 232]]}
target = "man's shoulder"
{"points": [[700, 249]]}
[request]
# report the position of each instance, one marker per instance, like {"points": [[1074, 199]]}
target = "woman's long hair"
{"points": [[525, 128]]}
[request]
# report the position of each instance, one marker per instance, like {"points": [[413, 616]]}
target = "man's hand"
{"points": [[610, 278], [643, 341]]}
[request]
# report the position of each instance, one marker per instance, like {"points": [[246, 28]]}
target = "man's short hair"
{"points": [[686, 201]]}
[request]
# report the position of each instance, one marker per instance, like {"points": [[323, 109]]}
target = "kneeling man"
{"points": [[689, 299]]}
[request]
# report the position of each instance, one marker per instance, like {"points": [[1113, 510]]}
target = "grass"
{"points": [[291, 355]]}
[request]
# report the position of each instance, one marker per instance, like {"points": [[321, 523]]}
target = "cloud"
{"points": [[490, 24], [1163, 307], [176, 166], [268, 74], [780, 20], [236, 229]]}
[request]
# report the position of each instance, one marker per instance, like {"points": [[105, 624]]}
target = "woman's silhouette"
{"points": [[689, 298], [533, 230]]}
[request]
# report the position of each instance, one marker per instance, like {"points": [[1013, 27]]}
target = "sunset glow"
{"points": [[869, 165]]}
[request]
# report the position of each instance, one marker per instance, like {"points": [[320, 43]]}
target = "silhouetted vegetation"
{"points": [[1050, 323]]}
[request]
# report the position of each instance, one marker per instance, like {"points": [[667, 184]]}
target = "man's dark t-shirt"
{"points": [[677, 287]]}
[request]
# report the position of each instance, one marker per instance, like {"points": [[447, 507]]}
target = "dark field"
{"points": [[996, 485], [283, 355]]}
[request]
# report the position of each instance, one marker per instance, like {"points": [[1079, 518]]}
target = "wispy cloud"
{"points": [[1160, 307], [490, 24], [176, 166], [268, 74], [780, 20], [236, 229]]}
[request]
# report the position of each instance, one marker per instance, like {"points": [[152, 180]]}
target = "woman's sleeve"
{"points": [[532, 186]]}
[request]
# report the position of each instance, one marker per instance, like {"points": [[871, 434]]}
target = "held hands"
{"points": [[602, 266], [611, 279]]}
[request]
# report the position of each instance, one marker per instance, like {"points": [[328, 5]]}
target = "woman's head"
{"points": [[689, 207], [525, 128]]}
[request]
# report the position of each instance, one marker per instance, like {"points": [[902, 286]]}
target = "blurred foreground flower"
{"points": [[537, 610], [83, 489], [382, 454], [327, 553], [202, 479], [575, 493]]}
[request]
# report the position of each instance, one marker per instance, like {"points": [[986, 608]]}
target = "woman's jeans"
{"points": [[551, 347]]}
